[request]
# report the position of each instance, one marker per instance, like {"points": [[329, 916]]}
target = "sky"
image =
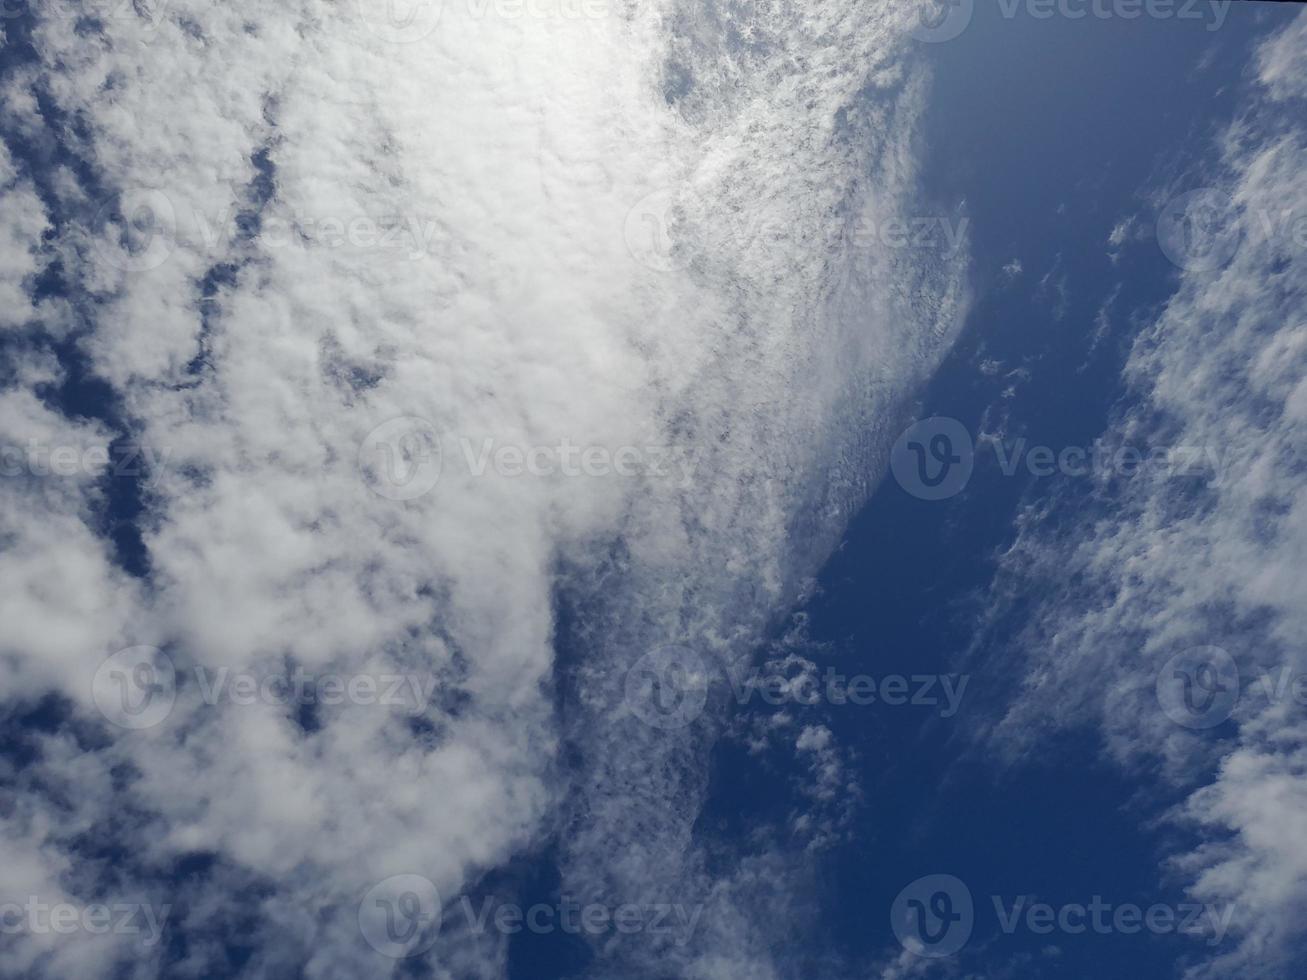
{"points": [[577, 488]]}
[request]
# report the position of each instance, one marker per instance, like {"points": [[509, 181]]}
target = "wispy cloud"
{"points": [[1162, 603]]}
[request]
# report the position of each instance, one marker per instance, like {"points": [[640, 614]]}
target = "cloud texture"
{"points": [[242, 238]]}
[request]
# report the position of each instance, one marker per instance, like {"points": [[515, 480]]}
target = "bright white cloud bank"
{"points": [[283, 224], [1159, 581]]}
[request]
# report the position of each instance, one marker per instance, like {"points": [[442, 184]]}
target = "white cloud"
{"points": [[1282, 62], [255, 332], [1156, 564]]}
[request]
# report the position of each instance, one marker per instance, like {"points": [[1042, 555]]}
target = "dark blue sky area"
{"points": [[1051, 131]]}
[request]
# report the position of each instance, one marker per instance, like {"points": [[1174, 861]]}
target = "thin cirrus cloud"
{"points": [[1158, 580], [278, 227]]}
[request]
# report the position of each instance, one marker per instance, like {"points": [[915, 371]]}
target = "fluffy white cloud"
{"points": [[292, 223], [21, 255]]}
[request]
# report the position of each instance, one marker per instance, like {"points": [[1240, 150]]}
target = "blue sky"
{"points": [[563, 490]]}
